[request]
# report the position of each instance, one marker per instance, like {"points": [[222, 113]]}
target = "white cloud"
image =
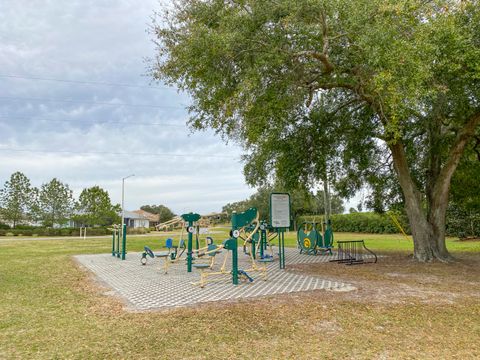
{"points": [[102, 41]]}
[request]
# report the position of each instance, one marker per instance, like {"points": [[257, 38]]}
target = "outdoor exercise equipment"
{"points": [[244, 224], [259, 242], [267, 235], [162, 254], [171, 255], [176, 256], [311, 241], [119, 249], [354, 253], [199, 252], [190, 219], [212, 251], [176, 221]]}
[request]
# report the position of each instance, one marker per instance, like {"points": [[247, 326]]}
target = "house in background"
{"points": [[154, 219], [134, 220]]}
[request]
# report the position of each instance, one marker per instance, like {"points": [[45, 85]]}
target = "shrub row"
{"points": [[33, 231], [362, 223], [462, 222], [53, 232], [137, 231], [4, 226]]}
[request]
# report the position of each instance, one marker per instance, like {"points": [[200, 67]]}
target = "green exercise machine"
{"points": [[311, 241], [260, 244], [119, 248], [245, 226]]}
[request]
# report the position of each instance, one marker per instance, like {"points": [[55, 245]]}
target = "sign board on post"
{"points": [[280, 220], [280, 210]]}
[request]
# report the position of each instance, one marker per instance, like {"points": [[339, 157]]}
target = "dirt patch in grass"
{"points": [[396, 278]]}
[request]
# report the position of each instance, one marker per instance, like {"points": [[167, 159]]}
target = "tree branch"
{"points": [[323, 58], [442, 184]]}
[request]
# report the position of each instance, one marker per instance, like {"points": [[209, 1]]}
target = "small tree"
{"points": [[94, 208], [16, 198], [54, 203]]}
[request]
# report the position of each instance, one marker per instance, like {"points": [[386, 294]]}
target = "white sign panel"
{"points": [[280, 210]]}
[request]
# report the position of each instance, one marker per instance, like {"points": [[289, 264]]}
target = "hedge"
{"points": [[362, 223], [53, 232], [33, 231], [4, 226], [137, 231]]}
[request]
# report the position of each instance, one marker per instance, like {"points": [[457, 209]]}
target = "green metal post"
{"points": [[197, 243], [190, 246], [281, 247], [238, 221], [190, 219], [117, 250], [253, 249], [124, 241], [235, 262], [263, 241], [113, 243]]}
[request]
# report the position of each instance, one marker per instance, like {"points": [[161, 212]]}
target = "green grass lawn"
{"points": [[378, 242], [51, 308]]}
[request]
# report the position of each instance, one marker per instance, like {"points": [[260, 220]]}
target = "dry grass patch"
{"points": [[396, 278]]}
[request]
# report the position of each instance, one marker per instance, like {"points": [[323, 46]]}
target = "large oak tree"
{"points": [[349, 90]]}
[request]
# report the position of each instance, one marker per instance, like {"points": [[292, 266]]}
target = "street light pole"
{"points": [[123, 198]]}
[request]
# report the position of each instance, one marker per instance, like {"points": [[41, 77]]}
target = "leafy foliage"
{"points": [[94, 208], [359, 222], [302, 202], [54, 203], [463, 214], [16, 199], [370, 91]]}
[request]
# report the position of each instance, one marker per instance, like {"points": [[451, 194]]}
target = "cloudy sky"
{"points": [[75, 104]]}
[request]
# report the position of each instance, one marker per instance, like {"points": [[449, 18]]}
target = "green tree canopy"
{"points": [[164, 213], [463, 215], [350, 91], [303, 202], [16, 199], [94, 208], [54, 203]]}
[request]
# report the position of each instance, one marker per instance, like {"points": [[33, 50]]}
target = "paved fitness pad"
{"points": [[148, 288]]}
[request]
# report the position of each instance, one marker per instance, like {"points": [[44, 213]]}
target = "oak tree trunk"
{"points": [[428, 232], [428, 226]]}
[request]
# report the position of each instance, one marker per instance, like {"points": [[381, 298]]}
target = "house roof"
{"points": [[133, 215], [147, 215]]}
